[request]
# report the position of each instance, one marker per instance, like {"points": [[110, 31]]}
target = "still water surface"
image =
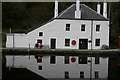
{"points": [[67, 67]]}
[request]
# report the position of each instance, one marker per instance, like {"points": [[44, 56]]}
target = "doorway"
{"points": [[53, 43], [83, 43]]}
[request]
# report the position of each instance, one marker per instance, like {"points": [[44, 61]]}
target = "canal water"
{"points": [[52, 67]]}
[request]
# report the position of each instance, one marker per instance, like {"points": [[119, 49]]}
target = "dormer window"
{"points": [[67, 27], [40, 33]]}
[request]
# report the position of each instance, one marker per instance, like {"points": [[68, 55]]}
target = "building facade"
{"points": [[77, 27]]}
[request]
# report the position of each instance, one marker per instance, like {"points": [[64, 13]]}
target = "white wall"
{"points": [[57, 29], [17, 39], [103, 34], [58, 69], [9, 40]]}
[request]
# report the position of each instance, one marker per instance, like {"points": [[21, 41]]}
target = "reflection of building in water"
{"points": [[63, 67], [77, 27]]}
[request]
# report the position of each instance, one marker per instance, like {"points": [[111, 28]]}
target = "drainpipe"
{"points": [[91, 34]]}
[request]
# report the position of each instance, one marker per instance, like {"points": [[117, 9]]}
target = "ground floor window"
{"points": [[67, 42], [66, 59], [39, 59], [97, 42], [52, 59], [39, 41]]}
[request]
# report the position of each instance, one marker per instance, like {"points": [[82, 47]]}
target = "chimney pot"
{"points": [[105, 9], [98, 8], [56, 9], [77, 11]]}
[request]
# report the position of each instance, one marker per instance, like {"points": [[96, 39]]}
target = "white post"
{"points": [[56, 9], [105, 9], [98, 8], [77, 11]]}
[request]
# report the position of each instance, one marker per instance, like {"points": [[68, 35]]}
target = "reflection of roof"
{"points": [[86, 13], [69, 13]]}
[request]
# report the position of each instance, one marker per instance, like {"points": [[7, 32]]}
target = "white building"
{"points": [[77, 27], [62, 67]]}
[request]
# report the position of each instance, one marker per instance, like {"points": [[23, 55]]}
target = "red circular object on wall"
{"points": [[73, 42], [73, 59]]}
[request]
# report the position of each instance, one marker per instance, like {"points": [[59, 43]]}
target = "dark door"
{"points": [[83, 43], [53, 43]]}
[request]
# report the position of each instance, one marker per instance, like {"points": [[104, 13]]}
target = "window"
{"points": [[97, 27], [67, 42], [96, 74], [39, 41], [66, 59], [39, 59], [39, 67], [82, 60], [40, 33], [66, 75], [83, 27], [97, 60], [67, 27], [82, 74], [52, 59], [97, 42]]}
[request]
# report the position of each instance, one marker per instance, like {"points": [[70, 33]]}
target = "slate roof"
{"points": [[86, 13], [69, 13]]}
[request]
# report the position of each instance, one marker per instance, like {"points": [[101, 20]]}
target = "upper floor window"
{"points": [[83, 27], [67, 42], [40, 33], [67, 27], [97, 27], [97, 42]]}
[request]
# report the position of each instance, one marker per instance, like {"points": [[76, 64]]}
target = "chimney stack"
{"points": [[105, 9], [77, 11], [56, 9], [98, 8]]}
